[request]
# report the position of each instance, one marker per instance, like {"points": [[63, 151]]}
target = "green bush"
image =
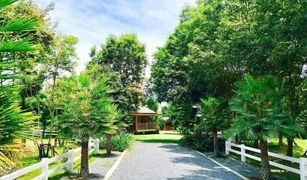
{"points": [[120, 141], [202, 143]]}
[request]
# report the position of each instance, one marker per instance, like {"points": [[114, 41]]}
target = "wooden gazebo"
{"points": [[143, 120]]}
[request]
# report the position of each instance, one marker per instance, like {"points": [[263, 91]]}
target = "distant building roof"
{"points": [[144, 110]]}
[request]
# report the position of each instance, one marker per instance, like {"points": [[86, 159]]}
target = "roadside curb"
{"points": [[227, 168], [115, 166]]}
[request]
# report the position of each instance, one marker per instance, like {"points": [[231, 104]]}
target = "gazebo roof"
{"points": [[144, 110]]}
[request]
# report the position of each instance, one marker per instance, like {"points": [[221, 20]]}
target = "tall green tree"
{"points": [[216, 43], [281, 53], [30, 65], [152, 104], [85, 112], [61, 60], [258, 105], [120, 94], [126, 56], [13, 42]]}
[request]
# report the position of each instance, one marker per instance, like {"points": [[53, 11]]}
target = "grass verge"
{"points": [[163, 137], [27, 161]]}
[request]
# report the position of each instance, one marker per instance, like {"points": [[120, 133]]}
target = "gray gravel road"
{"points": [[157, 161]]}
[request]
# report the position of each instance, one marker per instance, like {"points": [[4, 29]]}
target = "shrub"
{"points": [[120, 141], [201, 142]]}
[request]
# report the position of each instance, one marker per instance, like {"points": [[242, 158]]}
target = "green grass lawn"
{"points": [[60, 173], [163, 137], [298, 150], [32, 157]]}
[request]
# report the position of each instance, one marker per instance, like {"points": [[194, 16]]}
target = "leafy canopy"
{"points": [[85, 107], [258, 105], [212, 116]]}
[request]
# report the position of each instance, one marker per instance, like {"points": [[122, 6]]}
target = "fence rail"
{"points": [[244, 152], [44, 163]]}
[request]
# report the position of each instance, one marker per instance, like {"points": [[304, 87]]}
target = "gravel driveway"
{"points": [[155, 161]]}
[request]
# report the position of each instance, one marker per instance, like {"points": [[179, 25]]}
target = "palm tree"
{"points": [[213, 119], [85, 111], [13, 121], [13, 124], [258, 105]]}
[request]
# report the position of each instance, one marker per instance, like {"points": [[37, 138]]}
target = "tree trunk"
{"points": [[280, 144], [84, 172], [215, 143], [265, 166], [290, 147], [109, 144], [256, 144]]}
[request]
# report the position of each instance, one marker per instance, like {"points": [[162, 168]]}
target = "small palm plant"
{"points": [[213, 119], [13, 124], [85, 112], [258, 105], [13, 121], [113, 119]]}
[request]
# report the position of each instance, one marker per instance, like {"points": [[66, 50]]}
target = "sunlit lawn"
{"points": [[163, 137], [32, 157], [273, 146], [298, 150], [60, 173]]}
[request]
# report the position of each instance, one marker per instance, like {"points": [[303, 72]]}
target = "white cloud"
{"points": [[93, 20]]}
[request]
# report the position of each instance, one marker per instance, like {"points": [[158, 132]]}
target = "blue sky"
{"points": [[93, 20]]}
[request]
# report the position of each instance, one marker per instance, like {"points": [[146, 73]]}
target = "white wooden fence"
{"points": [[72, 156], [245, 152]]}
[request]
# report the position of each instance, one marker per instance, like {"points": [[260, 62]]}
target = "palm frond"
{"points": [[13, 122], [9, 157], [18, 25], [4, 3], [23, 45]]}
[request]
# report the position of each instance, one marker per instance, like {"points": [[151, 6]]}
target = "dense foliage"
{"points": [[120, 141], [87, 111], [213, 119], [201, 142], [217, 42], [124, 58], [260, 115], [230, 67], [14, 39], [215, 45]]}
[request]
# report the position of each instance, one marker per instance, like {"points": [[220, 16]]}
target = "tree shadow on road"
{"points": [[204, 167]]}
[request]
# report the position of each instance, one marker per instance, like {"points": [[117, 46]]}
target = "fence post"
{"points": [[70, 160], [45, 168], [242, 146], [303, 168], [227, 146], [96, 146]]}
